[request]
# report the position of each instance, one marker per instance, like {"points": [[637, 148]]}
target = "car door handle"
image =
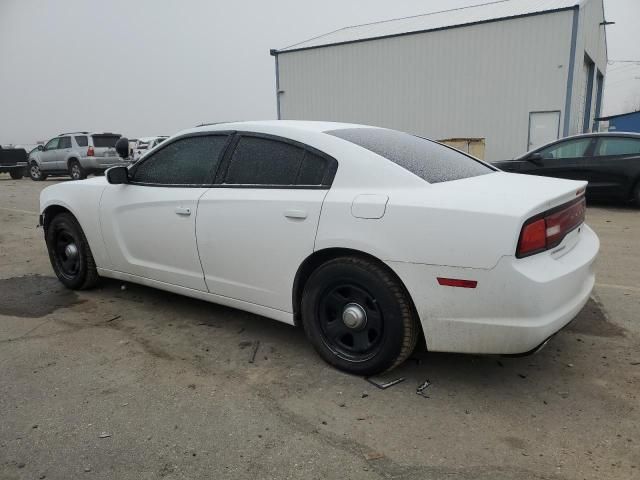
{"points": [[183, 211], [298, 214]]}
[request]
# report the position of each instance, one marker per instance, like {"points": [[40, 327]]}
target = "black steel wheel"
{"points": [[358, 316], [35, 173], [69, 253]]}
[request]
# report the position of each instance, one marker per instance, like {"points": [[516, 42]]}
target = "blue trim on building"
{"points": [[572, 64]]}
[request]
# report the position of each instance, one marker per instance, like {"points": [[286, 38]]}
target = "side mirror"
{"points": [[535, 158], [40, 148], [122, 147], [117, 175]]}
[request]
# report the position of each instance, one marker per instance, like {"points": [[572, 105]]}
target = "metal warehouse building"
{"points": [[516, 73]]}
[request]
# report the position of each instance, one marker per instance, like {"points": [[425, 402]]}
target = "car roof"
{"points": [[278, 126]]}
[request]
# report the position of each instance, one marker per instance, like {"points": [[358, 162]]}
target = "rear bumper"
{"points": [[515, 307], [15, 166]]}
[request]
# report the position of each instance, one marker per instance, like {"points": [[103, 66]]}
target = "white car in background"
{"points": [[367, 237], [144, 144]]}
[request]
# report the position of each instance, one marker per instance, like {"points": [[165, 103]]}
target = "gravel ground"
{"points": [[132, 383]]}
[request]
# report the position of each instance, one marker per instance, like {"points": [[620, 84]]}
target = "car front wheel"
{"points": [[359, 316], [69, 253], [35, 173]]}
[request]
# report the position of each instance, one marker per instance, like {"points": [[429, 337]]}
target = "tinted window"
{"points": [[65, 142], [313, 170], [261, 161], [52, 144], [82, 141], [105, 141], [618, 146], [570, 149], [428, 160], [188, 161]]}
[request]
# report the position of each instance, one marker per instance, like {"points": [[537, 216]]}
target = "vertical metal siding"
{"points": [[590, 40], [478, 81]]}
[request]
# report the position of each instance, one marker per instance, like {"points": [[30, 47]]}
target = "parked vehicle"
{"points": [[76, 154], [13, 161], [367, 237], [143, 145], [610, 162]]}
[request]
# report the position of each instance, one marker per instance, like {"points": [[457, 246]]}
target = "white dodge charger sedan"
{"points": [[367, 237]]}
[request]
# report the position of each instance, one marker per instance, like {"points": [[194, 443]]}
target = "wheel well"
{"points": [[313, 261], [72, 159], [50, 213]]}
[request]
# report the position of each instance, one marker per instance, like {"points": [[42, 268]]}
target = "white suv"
{"points": [[76, 154]]}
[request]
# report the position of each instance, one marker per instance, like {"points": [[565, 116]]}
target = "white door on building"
{"points": [[544, 127]]}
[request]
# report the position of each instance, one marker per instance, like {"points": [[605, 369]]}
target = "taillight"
{"points": [[548, 229], [90, 152]]}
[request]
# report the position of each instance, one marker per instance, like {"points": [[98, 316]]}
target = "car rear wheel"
{"points": [[35, 173], [16, 174], [69, 253], [76, 172], [359, 316]]}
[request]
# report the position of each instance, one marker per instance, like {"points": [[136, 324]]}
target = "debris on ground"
{"points": [[114, 318], [422, 388], [373, 456], [104, 435], [634, 363], [256, 345], [244, 344], [382, 385], [522, 375], [364, 395]]}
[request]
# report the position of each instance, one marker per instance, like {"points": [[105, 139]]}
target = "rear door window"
{"points": [[263, 161], [186, 161], [428, 160], [65, 142], [608, 146], [82, 141]]}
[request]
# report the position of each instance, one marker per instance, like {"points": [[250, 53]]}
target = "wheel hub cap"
{"points": [[71, 251], [354, 316]]}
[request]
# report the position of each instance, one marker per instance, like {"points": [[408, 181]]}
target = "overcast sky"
{"points": [[147, 67]]}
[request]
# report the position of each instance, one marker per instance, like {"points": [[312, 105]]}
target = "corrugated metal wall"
{"points": [[478, 81], [590, 40]]}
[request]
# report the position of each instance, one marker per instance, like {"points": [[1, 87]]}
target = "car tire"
{"points": [[69, 253], [358, 316], [76, 172], [35, 173], [16, 174]]}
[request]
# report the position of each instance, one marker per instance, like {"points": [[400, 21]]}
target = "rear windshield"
{"points": [[105, 140], [428, 160]]}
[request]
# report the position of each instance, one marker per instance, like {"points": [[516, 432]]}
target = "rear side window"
{"points": [[187, 161], [65, 142], [82, 141], [618, 146], [262, 161], [104, 141], [428, 160]]}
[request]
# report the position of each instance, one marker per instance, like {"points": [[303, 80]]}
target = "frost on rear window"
{"points": [[428, 160]]}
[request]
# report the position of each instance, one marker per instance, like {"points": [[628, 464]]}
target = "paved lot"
{"points": [[167, 381]]}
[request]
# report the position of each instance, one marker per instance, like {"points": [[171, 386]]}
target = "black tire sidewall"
{"points": [[16, 175], [67, 222], [381, 290], [82, 175]]}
